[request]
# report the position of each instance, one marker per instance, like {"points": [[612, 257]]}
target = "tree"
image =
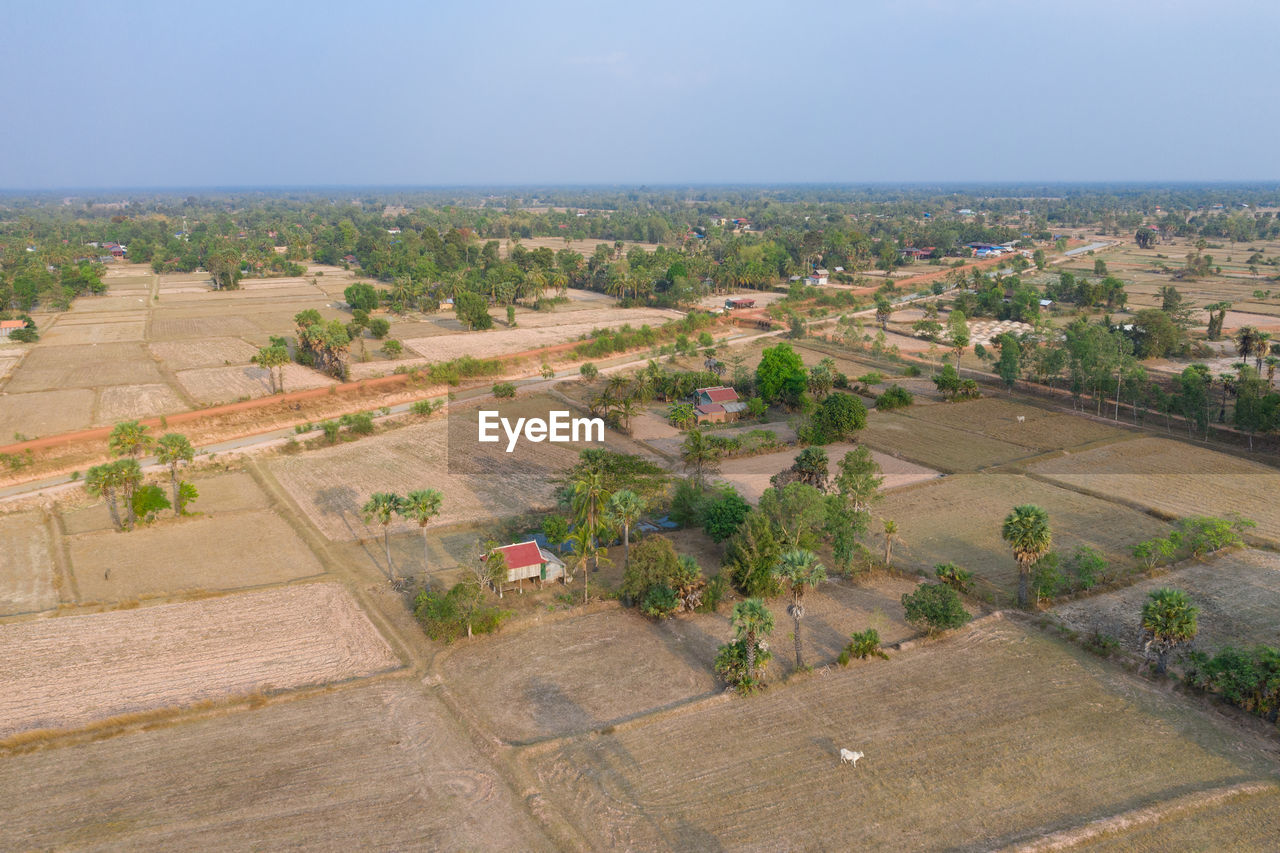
{"points": [[751, 554], [472, 309], [797, 571], [1145, 237], [935, 606], [948, 382], [724, 514], [796, 512], [103, 481], [172, 449], [382, 507], [741, 662], [273, 358], [421, 506], [147, 502], [361, 296], [958, 333], [129, 438], [1168, 620], [589, 500], [698, 454], [884, 310], [780, 376], [1009, 365], [837, 418], [1026, 530], [625, 510], [890, 534]]}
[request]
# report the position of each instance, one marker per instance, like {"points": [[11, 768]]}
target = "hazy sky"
{"points": [[142, 94]]}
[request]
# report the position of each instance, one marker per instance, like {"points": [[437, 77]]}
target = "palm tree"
{"points": [[1271, 362], [173, 449], [625, 509], [382, 507], [129, 438], [1026, 529], [890, 533], [101, 481], [584, 548], [628, 408], [799, 570], [127, 474], [752, 621], [1168, 619], [421, 506], [698, 454], [589, 499]]}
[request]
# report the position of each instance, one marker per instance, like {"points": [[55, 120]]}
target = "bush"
{"points": [[894, 397], [713, 593], [837, 418], [1247, 678], [688, 503], [187, 494], [660, 601], [26, 335], [504, 389], [961, 580], [361, 296], [658, 580], [148, 502], [1089, 566], [379, 326], [864, 644], [444, 616], [424, 407], [331, 430], [911, 371], [723, 514], [1047, 580], [359, 423], [936, 607], [756, 407], [589, 371]]}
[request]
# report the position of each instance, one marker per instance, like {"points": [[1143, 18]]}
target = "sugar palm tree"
{"points": [[798, 571], [127, 474], [382, 507], [890, 534], [625, 509], [698, 454], [752, 622], [1168, 620], [129, 438], [102, 481], [1026, 529], [173, 449], [421, 506]]}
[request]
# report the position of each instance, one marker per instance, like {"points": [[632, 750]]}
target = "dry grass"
{"points": [[26, 565], [211, 352], [123, 402], [71, 671], [750, 475], [225, 384], [234, 492], [169, 325], [935, 446], [45, 412], [64, 334], [1247, 820], [1004, 736], [60, 367], [378, 766], [1176, 478], [998, 419]]}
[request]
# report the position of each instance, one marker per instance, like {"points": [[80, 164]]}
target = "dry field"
{"points": [[1175, 478], [998, 419], [45, 412], [65, 334], [174, 325], [1238, 595], [128, 299], [26, 565], [174, 655], [585, 672], [124, 402], [1005, 735], [226, 384], [211, 352], [958, 520], [1248, 819], [377, 766], [219, 493], [750, 475], [91, 366], [936, 446]]}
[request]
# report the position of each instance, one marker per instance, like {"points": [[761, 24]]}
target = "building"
{"points": [[718, 404], [8, 327], [530, 560], [739, 302]]}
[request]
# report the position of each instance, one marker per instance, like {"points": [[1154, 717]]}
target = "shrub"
{"points": [[148, 502], [756, 407], [589, 371], [393, 348], [936, 607], [724, 514], [1102, 645], [504, 389], [911, 371], [1205, 534], [961, 580], [688, 503], [863, 645], [1089, 566], [1047, 579], [1247, 678], [837, 418], [894, 397], [358, 423], [361, 296], [379, 327], [713, 593], [660, 601], [658, 580], [331, 430]]}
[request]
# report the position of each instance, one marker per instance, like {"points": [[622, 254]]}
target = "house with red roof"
{"points": [[717, 404], [530, 560], [7, 327]]}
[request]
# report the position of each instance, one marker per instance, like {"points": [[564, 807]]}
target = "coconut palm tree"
{"points": [[173, 449], [382, 507], [421, 506], [625, 509], [129, 438], [589, 500], [584, 548], [1026, 529], [890, 534], [1168, 620], [799, 570], [697, 454]]}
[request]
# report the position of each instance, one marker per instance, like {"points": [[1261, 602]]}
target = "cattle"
{"points": [[848, 756]]}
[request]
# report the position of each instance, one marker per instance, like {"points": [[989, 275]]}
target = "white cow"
{"points": [[849, 757], [1022, 418]]}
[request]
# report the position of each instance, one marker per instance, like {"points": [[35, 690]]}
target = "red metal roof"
{"points": [[720, 394], [12, 324], [522, 554], [709, 409]]}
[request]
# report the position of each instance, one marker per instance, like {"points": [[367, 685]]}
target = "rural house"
{"points": [[529, 560], [717, 405], [7, 327]]}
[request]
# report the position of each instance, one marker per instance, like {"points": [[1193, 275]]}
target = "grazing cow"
{"points": [[849, 757], [1022, 418]]}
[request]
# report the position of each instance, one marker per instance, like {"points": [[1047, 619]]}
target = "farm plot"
{"points": [[122, 402], [26, 565], [90, 366], [1248, 816], [45, 412], [211, 352], [175, 325], [226, 384], [936, 446], [540, 332], [64, 334], [131, 299], [1238, 595], [376, 766], [209, 553], [750, 475], [958, 520], [7, 364], [72, 671], [586, 672], [1175, 478], [998, 419], [234, 492], [998, 713]]}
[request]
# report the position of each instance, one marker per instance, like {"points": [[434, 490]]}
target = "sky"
{"points": [[379, 93]]}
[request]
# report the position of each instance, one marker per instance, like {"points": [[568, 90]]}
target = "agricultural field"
{"points": [[127, 402], [1174, 478], [27, 571], [45, 412], [936, 446], [581, 673], [210, 385], [750, 475], [381, 765], [764, 772], [957, 519], [1238, 594], [1040, 429], [175, 655], [84, 366]]}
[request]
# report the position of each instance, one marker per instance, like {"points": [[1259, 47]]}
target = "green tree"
{"points": [[698, 455], [625, 510], [796, 512], [472, 310], [742, 662], [935, 606], [129, 438], [1009, 365], [884, 310], [837, 418], [751, 554], [273, 359], [361, 296], [781, 376], [172, 449], [147, 502], [590, 497], [724, 514], [1026, 530], [958, 334], [382, 508], [798, 571], [103, 481], [1168, 620], [421, 506]]}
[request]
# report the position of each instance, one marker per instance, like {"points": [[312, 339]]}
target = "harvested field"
{"points": [[998, 419], [585, 672], [1176, 478], [998, 713], [750, 475], [8, 363], [166, 326], [130, 299], [1247, 817], [26, 565], [936, 446], [176, 555], [226, 384], [96, 333], [377, 766], [45, 412], [540, 331], [212, 352], [233, 492], [958, 519], [92, 366], [174, 655], [1238, 595], [124, 402]]}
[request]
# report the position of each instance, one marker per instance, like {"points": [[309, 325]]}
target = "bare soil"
{"points": [[26, 565]]}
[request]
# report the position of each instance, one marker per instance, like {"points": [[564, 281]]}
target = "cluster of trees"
{"points": [[419, 506], [322, 345], [129, 498]]}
